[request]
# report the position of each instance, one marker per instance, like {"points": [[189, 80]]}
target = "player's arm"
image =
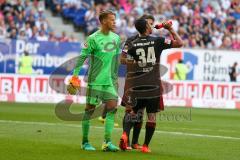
{"points": [[74, 81], [236, 74], [115, 63], [124, 59], [86, 50], [177, 40]]}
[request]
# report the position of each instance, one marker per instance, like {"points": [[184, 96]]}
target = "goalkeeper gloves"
{"points": [[74, 85]]}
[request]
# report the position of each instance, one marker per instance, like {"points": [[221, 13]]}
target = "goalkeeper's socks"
{"points": [[127, 123], [86, 124], [85, 130], [109, 125], [150, 128], [136, 131]]}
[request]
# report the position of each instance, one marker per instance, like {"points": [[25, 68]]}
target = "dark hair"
{"points": [[180, 61], [26, 53], [147, 16], [104, 14], [141, 25]]}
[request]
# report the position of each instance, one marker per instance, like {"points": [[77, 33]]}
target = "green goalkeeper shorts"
{"points": [[100, 93]]}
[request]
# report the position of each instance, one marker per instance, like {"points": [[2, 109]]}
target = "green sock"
{"points": [[85, 130], [109, 124]]}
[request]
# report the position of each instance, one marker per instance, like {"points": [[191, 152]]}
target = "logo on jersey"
{"points": [[84, 45], [188, 58], [110, 46]]}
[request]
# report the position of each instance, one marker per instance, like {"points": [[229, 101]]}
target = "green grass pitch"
{"points": [[32, 131]]}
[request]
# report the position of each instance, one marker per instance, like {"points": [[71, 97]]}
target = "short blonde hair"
{"points": [[104, 14]]}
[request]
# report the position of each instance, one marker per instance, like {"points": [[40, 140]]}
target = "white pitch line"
{"points": [[78, 126], [200, 129]]}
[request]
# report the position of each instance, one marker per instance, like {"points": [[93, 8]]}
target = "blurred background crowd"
{"points": [[23, 19], [211, 24]]}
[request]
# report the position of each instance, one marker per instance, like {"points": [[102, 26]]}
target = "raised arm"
{"points": [[177, 41]]}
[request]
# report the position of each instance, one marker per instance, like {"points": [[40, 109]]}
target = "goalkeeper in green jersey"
{"points": [[102, 48]]}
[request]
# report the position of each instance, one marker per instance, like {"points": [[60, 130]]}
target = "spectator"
{"points": [[55, 6], [13, 34], [213, 24], [22, 35], [34, 34], [233, 73], [27, 7], [28, 30], [3, 30], [130, 30], [18, 7], [91, 21], [227, 43], [12, 26], [20, 21], [72, 38], [181, 71], [236, 42], [9, 18], [52, 37], [42, 24], [31, 21], [6, 7], [90, 14], [25, 64], [63, 38], [40, 14], [207, 21], [42, 36]]}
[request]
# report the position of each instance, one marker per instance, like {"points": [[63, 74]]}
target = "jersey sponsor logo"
{"points": [[84, 45], [188, 58], [110, 46]]}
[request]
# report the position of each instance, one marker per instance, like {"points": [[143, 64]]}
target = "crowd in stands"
{"points": [[210, 24], [22, 19]]}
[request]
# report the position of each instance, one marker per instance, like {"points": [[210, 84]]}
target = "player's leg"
{"points": [[110, 99], [152, 109], [110, 116], [150, 128], [137, 129], [104, 113], [86, 126], [127, 126], [128, 122], [92, 99]]}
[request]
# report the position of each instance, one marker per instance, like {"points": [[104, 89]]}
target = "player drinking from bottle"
{"points": [[144, 75], [131, 120]]}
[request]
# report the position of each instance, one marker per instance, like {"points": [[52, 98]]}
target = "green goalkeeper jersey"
{"points": [[103, 51]]}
